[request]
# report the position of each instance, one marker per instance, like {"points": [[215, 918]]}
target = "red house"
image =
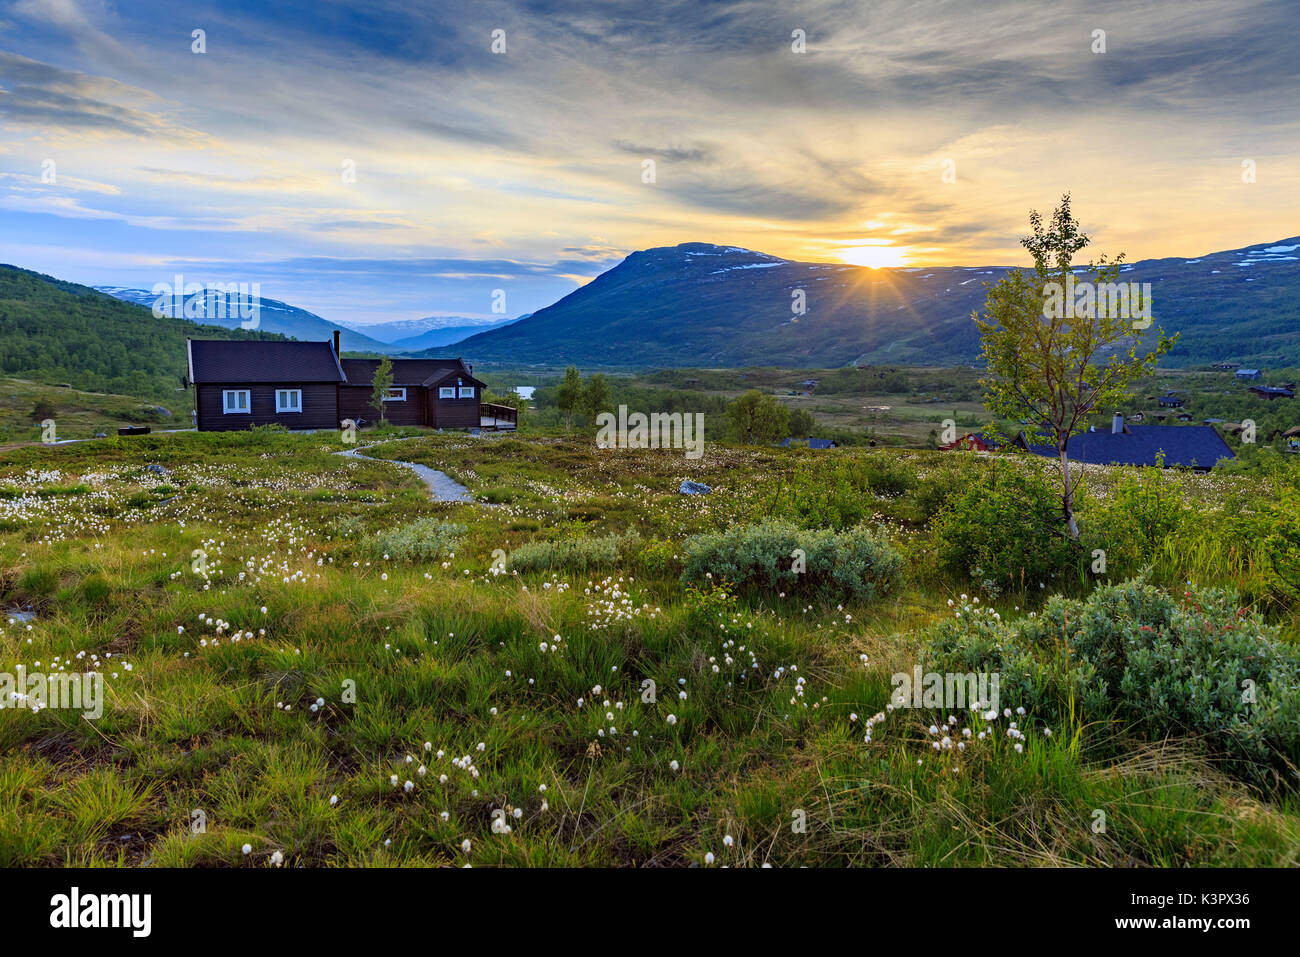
{"points": [[972, 441]]}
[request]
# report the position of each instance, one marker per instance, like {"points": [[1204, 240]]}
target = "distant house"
{"points": [[1196, 447], [972, 441], [305, 385], [1248, 374], [1224, 366], [1271, 392], [1170, 402], [789, 442]]}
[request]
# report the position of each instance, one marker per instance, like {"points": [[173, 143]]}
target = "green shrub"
{"points": [[572, 554], [1195, 664], [886, 474], [840, 493], [423, 540], [940, 485], [659, 558], [1144, 512], [350, 527], [857, 563], [1004, 532], [1282, 548]]}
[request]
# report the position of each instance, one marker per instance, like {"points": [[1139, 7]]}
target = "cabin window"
{"points": [[235, 401], [467, 392], [288, 400], [395, 395], [447, 392]]}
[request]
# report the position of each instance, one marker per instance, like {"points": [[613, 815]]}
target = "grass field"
{"points": [[308, 662], [25, 405]]}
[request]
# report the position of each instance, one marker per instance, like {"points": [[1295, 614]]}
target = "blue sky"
{"points": [[522, 170]]}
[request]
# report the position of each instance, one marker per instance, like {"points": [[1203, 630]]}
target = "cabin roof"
{"points": [[241, 361], [1185, 446], [409, 372]]}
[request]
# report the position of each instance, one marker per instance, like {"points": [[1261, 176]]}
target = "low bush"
{"points": [[423, 540], [1194, 663], [840, 493], [858, 563], [1144, 512], [572, 554], [1006, 532]]}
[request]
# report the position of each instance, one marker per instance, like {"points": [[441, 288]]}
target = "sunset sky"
{"points": [[523, 170]]}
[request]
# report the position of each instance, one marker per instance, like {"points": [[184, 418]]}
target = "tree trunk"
{"points": [[1067, 497]]}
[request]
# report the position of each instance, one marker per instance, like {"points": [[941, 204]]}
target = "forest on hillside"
{"points": [[61, 333]]}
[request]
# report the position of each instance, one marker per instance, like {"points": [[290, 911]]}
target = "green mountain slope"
{"points": [[59, 332], [702, 305]]}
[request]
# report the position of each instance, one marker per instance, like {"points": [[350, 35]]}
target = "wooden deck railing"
{"points": [[493, 416]]}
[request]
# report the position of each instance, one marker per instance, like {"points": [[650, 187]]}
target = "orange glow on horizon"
{"points": [[873, 256]]}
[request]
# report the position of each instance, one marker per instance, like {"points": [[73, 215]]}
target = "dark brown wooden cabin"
{"points": [[439, 393], [242, 384], [305, 385]]}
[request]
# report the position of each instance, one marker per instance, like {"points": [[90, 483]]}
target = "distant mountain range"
{"points": [[60, 333], [694, 305], [404, 335], [274, 316], [703, 305], [412, 335]]}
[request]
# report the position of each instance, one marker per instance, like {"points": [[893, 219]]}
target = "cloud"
{"points": [[473, 166], [52, 100]]}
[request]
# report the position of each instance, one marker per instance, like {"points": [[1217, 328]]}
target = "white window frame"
{"points": [[228, 409], [395, 395], [447, 392], [466, 392], [286, 409]]}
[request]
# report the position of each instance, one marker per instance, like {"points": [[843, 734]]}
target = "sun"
{"points": [[873, 256]]}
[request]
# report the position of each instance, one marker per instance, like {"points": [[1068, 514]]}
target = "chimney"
{"points": [[337, 335], [1117, 424]]}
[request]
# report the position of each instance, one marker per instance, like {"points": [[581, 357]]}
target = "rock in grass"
{"points": [[694, 488]]}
